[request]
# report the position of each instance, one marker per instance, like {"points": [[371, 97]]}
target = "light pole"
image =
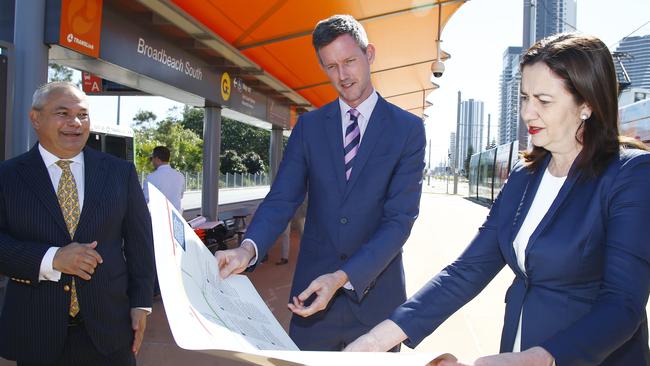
{"points": [[429, 166], [457, 146]]}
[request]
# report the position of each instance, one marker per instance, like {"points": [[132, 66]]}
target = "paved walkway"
{"points": [[445, 226]]}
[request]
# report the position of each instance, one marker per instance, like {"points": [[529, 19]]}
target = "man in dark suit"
{"points": [[76, 241], [361, 158]]}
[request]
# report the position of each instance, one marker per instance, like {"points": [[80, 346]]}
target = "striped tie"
{"points": [[69, 202], [352, 138]]}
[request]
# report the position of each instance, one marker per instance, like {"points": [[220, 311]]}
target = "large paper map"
{"points": [[228, 318]]}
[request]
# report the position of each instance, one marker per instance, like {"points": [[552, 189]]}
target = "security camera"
{"points": [[437, 68]]}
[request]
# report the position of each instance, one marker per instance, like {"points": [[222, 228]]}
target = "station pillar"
{"points": [[276, 150], [211, 153], [31, 56]]}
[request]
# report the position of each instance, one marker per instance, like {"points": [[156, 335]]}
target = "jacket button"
{"points": [[343, 257], [343, 220], [66, 288]]}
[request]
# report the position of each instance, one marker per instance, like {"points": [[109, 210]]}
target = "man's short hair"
{"points": [[327, 30], [41, 95], [161, 152]]}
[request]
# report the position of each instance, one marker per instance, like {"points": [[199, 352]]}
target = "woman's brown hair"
{"points": [[586, 66]]}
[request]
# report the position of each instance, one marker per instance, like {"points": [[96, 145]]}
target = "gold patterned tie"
{"points": [[69, 202]]}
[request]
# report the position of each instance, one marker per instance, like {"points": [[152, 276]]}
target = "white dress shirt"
{"points": [[77, 167], [170, 182], [365, 111], [548, 189]]}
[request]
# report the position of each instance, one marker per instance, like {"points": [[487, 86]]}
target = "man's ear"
{"points": [[370, 53], [33, 117]]}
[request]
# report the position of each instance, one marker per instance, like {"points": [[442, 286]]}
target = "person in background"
{"points": [[76, 243], [361, 159], [169, 181], [571, 223]]}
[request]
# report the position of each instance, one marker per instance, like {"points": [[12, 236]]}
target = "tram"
{"points": [[635, 120], [488, 170]]}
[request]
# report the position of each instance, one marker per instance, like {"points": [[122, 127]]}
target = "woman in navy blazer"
{"points": [[572, 223]]}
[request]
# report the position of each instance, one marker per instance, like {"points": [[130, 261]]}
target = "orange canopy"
{"points": [[276, 35]]}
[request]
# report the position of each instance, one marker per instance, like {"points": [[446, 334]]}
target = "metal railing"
{"points": [[194, 180]]}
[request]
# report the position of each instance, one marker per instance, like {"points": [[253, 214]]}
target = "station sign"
{"points": [[135, 48], [91, 84], [94, 85], [80, 26]]}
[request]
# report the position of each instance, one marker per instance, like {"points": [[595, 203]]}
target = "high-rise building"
{"points": [[638, 65], [471, 130], [554, 16], [509, 98], [452, 150]]}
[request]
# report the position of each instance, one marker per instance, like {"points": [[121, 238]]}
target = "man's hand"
{"points": [[77, 259], [324, 287], [138, 323], [233, 261]]}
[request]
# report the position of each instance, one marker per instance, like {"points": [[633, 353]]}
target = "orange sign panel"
{"points": [[91, 83], [293, 116], [81, 24]]}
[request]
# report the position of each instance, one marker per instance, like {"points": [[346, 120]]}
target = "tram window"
{"points": [[119, 146]]}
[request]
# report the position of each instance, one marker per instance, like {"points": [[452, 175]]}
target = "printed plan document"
{"points": [[227, 318]]}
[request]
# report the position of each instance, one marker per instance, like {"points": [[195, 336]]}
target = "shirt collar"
{"points": [[49, 158], [365, 108]]}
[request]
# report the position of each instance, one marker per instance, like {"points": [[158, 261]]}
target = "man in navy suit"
{"points": [[361, 158], [76, 241]]}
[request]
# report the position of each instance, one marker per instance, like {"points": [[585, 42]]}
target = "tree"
{"points": [[144, 118], [231, 163], [253, 163], [185, 146], [58, 72], [242, 138], [192, 119]]}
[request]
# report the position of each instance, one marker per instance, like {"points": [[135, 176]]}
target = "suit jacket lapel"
{"points": [[373, 132], [95, 177], [36, 177], [334, 132], [524, 207], [570, 181]]}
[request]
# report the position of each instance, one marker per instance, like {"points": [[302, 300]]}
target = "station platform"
{"points": [[445, 226], [231, 201]]}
